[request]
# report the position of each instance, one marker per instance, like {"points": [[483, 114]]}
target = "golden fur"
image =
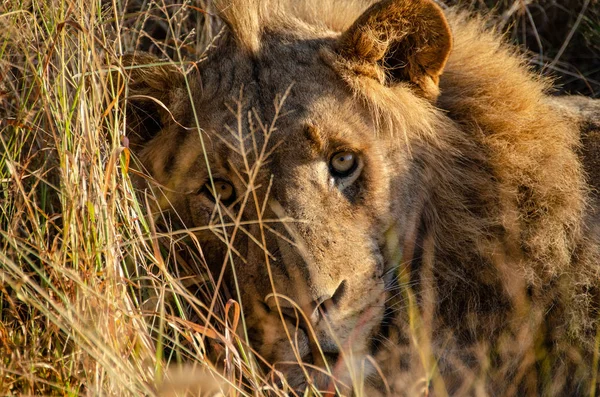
{"points": [[471, 187]]}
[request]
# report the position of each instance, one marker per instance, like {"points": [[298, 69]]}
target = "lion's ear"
{"points": [[154, 96], [400, 40]]}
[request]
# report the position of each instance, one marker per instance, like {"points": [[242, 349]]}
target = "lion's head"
{"points": [[302, 148]]}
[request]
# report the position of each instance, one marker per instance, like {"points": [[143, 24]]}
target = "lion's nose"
{"points": [[325, 303], [314, 310]]}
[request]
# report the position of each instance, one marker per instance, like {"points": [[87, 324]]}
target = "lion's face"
{"points": [[301, 189], [317, 211]]}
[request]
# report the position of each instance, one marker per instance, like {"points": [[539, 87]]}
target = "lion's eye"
{"points": [[343, 164], [223, 190]]}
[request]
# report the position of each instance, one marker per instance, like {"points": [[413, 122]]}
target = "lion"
{"points": [[369, 171]]}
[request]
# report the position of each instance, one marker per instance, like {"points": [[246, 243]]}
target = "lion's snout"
{"points": [[311, 308]]}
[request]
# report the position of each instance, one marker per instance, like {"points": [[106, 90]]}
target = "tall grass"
{"points": [[94, 299], [76, 243]]}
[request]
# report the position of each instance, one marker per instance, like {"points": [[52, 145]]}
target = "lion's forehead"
{"points": [[269, 99], [284, 68]]}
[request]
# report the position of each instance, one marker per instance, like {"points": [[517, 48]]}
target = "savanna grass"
{"points": [[77, 244]]}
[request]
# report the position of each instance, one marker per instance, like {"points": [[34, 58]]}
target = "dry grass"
{"points": [[562, 36], [77, 246], [93, 299]]}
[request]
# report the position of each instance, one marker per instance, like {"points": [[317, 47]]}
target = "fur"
{"points": [[473, 190]]}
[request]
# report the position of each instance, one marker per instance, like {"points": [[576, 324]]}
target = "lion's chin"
{"points": [[303, 363], [330, 374], [330, 379]]}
